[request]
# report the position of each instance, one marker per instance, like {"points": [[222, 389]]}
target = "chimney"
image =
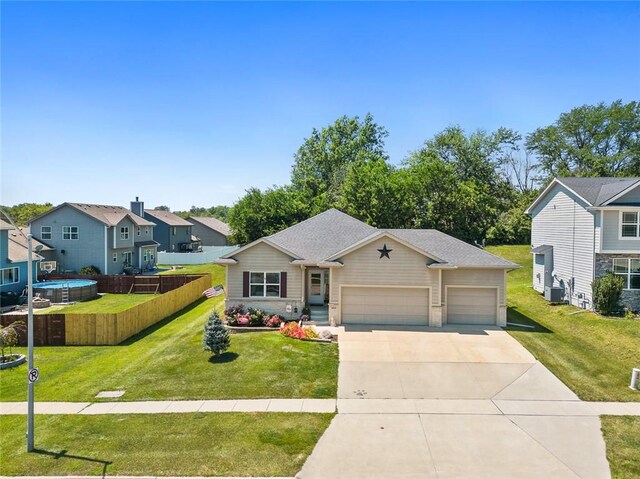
{"points": [[137, 207]]}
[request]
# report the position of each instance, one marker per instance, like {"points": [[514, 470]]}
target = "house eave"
{"points": [[225, 261]]}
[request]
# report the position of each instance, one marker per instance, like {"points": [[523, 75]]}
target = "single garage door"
{"points": [[472, 305], [380, 305]]}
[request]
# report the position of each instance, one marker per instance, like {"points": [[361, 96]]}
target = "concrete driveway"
{"points": [[462, 402]]}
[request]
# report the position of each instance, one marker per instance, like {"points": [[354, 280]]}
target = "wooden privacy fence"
{"points": [[92, 329], [123, 284]]}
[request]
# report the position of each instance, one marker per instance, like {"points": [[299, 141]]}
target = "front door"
{"points": [[316, 286]]}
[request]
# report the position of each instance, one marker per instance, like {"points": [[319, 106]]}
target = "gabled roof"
{"points": [[105, 214], [598, 191], [5, 226], [167, 217], [212, 223], [323, 235], [329, 235], [19, 249]]}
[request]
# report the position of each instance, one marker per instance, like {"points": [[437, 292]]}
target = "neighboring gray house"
{"points": [[14, 261], [211, 231], [365, 275], [582, 228], [172, 232], [109, 237]]}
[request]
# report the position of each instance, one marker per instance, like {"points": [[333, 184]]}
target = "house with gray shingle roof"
{"points": [[112, 238], [210, 231], [583, 228], [13, 263], [366, 275], [172, 232]]}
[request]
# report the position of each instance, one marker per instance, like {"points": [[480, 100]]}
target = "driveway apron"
{"points": [[452, 402]]}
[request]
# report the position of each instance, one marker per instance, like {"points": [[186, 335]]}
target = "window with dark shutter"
{"points": [[283, 284], [245, 284]]}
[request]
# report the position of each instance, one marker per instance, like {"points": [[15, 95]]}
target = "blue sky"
{"points": [[191, 103]]}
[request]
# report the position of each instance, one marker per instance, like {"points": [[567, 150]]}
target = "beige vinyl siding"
{"points": [[561, 220], [475, 277], [263, 258], [404, 267], [611, 241]]}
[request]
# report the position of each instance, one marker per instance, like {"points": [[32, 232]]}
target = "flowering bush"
{"points": [[294, 330], [256, 317], [273, 321], [232, 312]]}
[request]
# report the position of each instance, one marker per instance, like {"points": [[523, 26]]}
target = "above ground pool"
{"points": [[74, 289]]}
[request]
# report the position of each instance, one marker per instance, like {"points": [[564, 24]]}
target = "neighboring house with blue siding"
{"points": [[172, 232], [581, 229], [14, 260], [211, 231], [109, 237]]}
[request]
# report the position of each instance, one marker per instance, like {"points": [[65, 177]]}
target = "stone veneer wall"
{"points": [[604, 264]]}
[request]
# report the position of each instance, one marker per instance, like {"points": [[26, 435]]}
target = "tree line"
{"points": [[472, 185]]}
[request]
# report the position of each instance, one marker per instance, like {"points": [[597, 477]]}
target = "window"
{"points": [[127, 257], [70, 233], [629, 269], [148, 255], [124, 232], [138, 231], [146, 230], [45, 232], [115, 257], [174, 230], [10, 276], [264, 285], [630, 224]]}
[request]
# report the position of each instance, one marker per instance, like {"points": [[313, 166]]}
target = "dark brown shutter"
{"points": [[283, 284], [245, 284]]}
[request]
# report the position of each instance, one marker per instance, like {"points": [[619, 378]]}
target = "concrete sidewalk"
{"points": [[161, 407]]}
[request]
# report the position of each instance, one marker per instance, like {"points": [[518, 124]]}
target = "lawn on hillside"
{"points": [[105, 303], [198, 444], [217, 271], [167, 362], [593, 355]]}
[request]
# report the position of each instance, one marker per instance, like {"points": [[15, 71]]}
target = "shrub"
{"points": [[606, 293], [216, 337], [306, 310], [9, 336], [256, 317], [273, 321], [90, 270], [232, 312]]}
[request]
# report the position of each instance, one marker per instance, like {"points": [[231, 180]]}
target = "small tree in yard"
{"points": [[9, 336], [606, 293], [216, 337]]}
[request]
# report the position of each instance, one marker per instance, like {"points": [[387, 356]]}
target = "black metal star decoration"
{"points": [[384, 251]]}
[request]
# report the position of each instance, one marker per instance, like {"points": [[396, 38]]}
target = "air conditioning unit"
{"points": [[554, 294]]}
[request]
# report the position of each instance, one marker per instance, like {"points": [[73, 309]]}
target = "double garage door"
{"points": [[380, 305], [472, 305], [410, 306]]}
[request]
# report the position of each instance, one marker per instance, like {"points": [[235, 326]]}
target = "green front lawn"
{"points": [[591, 354], [199, 444], [622, 435], [166, 361], [216, 271]]}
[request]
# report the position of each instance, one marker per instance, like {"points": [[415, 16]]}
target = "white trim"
{"points": [[17, 275], [42, 233], [124, 233], [265, 284], [619, 252], [378, 235], [555, 181], [106, 250], [636, 224], [627, 274], [386, 286], [71, 233], [622, 193], [445, 318]]}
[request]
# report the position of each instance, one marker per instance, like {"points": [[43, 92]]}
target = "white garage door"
{"points": [[472, 305], [404, 306]]}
